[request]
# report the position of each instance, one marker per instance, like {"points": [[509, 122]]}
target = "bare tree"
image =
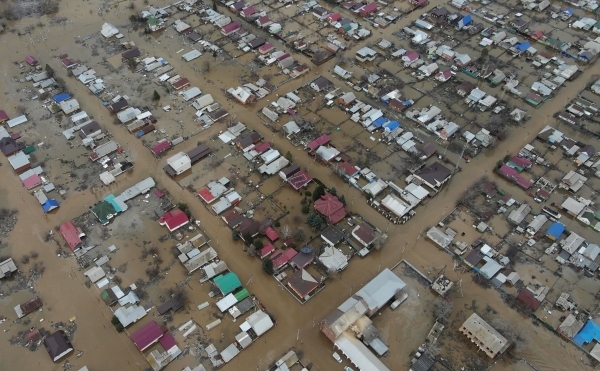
{"points": [[299, 235], [286, 232], [514, 334], [379, 241], [442, 310], [205, 66]]}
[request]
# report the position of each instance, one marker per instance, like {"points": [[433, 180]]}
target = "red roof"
{"points": [[174, 219], [368, 9], [158, 193], [320, 141], [284, 258], [334, 17], [331, 208], [513, 175], [412, 55], [348, 169], [147, 335], [31, 60], [206, 195], [262, 147], [181, 83], [302, 283], [161, 146], [3, 116], [526, 297], [271, 234], [265, 48], [299, 180], [249, 11], [263, 19], [32, 182], [233, 26], [266, 250], [70, 233], [520, 161], [167, 341]]}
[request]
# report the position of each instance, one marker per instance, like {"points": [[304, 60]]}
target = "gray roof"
{"points": [[381, 289]]}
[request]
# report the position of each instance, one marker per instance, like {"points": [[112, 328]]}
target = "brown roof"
{"points": [[9, 146], [301, 260], [57, 344], [198, 153], [365, 233], [435, 172], [249, 139], [31, 305], [291, 170], [302, 283], [122, 104], [526, 297], [249, 227], [131, 53], [427, 148]]}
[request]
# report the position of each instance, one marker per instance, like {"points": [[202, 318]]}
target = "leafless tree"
{"points": [[178, 293], [514, 334], [286, 232], [442, 310], [299, 235], [205, 66], [379, 241]]}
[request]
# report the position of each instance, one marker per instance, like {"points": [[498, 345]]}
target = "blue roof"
{"points": [[111, 199], [589, 332], [61, 97], [467, 19], [568, 11], [50, 205], [522, 46], [380, 121], [392, 125], [556, 229]]}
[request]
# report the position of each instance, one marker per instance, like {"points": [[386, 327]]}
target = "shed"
{"points": [[58, 345]]}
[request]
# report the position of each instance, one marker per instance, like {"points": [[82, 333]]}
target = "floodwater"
{"points": [[65, 295]]}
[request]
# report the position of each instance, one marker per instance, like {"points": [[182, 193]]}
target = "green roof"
{"points": [[153, 21], [28, 150], [242, 294], [104, 211], [227, 282]]}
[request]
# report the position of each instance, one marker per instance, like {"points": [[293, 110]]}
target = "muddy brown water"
{"points": [[62, 285]]}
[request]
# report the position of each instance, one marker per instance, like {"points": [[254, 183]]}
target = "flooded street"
{"points": [[62, 284]]}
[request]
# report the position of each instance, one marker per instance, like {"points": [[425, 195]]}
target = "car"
{"points": [[337, 357], [346, 368], [467, 159]]}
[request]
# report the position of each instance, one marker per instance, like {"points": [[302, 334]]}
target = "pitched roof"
{"points": [[271, 234], [330, 207], [302, 283], [434, 173], [58, 345], [333, 234], [174, 219], [150, 333], [71, 234]]}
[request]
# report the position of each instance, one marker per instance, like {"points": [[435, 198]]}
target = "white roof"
{"points": [[333, 258], [358, 353], [189, 56], [573, 206], [108, 30], [79, 116], [291, 127], [228, 353], [16, 121], [129, 315], [270, 156], [381, 289], [439, 237], [395, 205], [327, 153], [260, 322], [95, 274], [417, 191], [226, 303], [191, 93], [203, 101], [375, 187]]}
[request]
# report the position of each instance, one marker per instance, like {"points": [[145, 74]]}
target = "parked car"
{"points": [[337, 357], [346, 368]]}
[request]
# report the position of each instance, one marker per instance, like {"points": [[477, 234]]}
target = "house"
{"points": [[264, 21], [331, 208], [58, 345], [518, 215], [90, 130], [465, 88], [28, 307], [519, 163], [230, 28], [9, 146], [326, 153], [72, 235], [410, 57], [320, 83], [319, 12], [318, 142], [485, 337], [174, 219], [444, 76], [248, 140], [178, 164], [332, 235], [31, 60], [573, 181], [536, 224], [118, 106], [147, 335], [368, 9], [7, 268], [364, 234], [248, 227], [439, 12], [130, 54], [198, 153], [570, 326], [514, 176], [333, 259], [299, 180], [434, 176], [347, 99], [366, 54], [248, 12], [19, 162], [243, 95], [302, 284]]}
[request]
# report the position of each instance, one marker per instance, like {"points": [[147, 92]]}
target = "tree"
{"points": [[49, 71], [235, 235], [185, 208], [132, 63], [305, 209], [277, 224], [205, 66], [442, 310], [258, 244], [484, 52], [133, 18], [288, 156], [333, 191], [267, 266], [286, 232], [179, 294], [379, 241], [514, 335], [320, 191], [343, 200], [155, 96], [314, 220], [299, 235]]}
